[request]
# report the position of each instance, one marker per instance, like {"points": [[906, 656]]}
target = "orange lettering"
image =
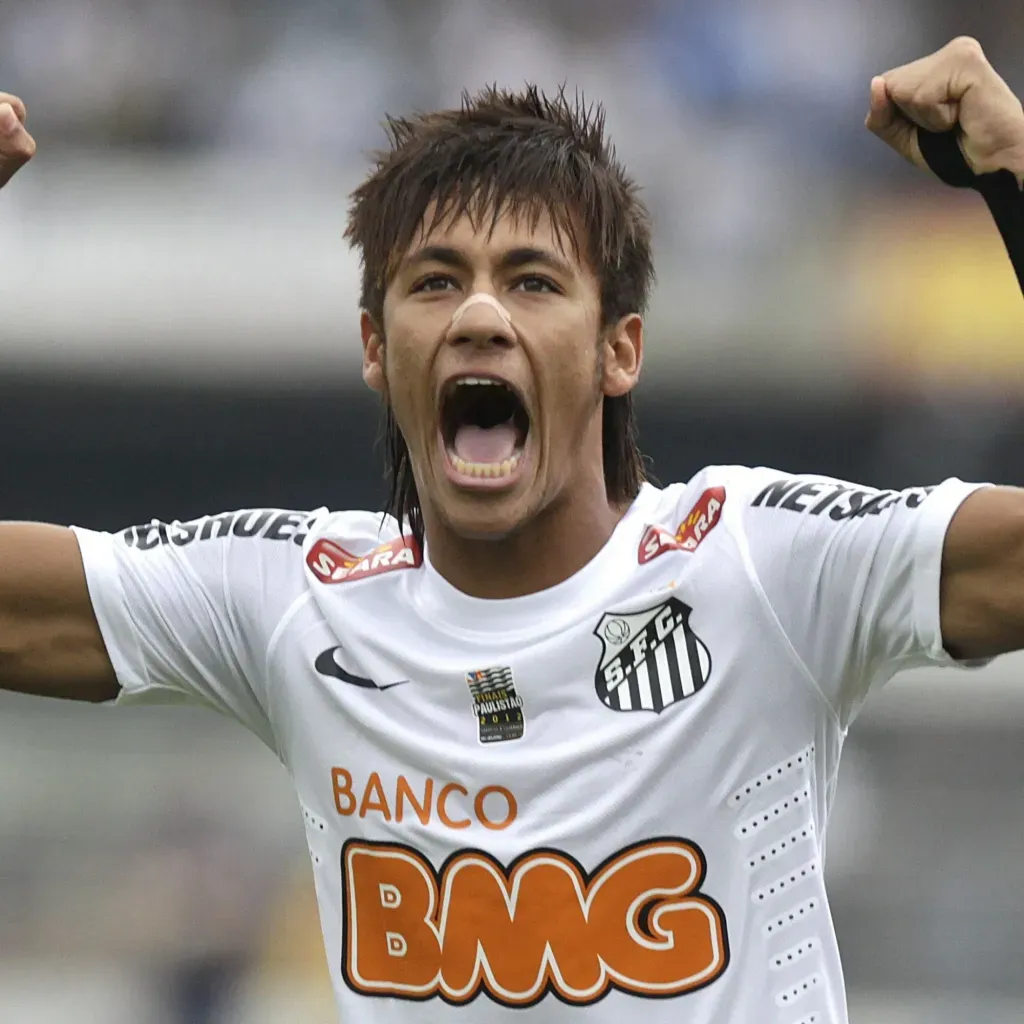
{"points": [[390, 897], [342, 781], [639, 924], [494, 807], [404, 792], [442, 810], [646, 892], [511, 809], [481, 923], [374, 798]]}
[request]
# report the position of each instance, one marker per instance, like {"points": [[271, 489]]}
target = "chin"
{"points": [[485, 517]]}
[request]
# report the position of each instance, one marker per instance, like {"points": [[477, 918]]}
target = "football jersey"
{"points": [[608, 797]]}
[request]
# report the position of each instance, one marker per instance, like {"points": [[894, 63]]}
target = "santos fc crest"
{"points": [[651, 658]]}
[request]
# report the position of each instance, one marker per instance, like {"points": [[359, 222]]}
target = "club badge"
{"points": [[651, 659]]}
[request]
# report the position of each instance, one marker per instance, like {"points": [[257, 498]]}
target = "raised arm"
{"points": [[953, 114], [50, 644]]}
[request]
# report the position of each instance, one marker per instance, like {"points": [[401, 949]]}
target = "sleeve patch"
{"points": [[331, 563], [699, 522]]}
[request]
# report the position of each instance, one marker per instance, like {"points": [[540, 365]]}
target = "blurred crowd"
{"points": [[314, 76], [741, 119]]}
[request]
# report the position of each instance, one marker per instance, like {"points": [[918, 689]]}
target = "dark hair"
{"points": [[516, 154]]}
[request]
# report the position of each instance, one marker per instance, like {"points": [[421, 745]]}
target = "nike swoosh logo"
{"points": [[326, 665]]}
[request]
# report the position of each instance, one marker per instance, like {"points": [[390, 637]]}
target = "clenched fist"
{"points": [[954, 88], [17, 147]]}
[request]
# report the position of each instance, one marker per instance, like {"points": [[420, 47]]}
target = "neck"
{"points": [[553, 546]]}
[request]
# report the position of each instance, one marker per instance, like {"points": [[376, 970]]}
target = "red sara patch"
{"points": [[331, 563], [703, 518]]}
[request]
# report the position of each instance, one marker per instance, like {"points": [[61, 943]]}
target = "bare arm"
{"points": [[50, 644], [973, 136], [982, 590]]}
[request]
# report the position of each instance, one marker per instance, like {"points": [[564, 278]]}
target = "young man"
{"points": [[562, 739]]}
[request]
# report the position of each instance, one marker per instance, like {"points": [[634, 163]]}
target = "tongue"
{"points": [[485, 444]]}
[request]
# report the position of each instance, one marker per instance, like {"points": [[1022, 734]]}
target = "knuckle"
{"points": [[968, 47], [17, 103], [19, 153]]}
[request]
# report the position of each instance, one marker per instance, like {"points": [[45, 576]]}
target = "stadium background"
{"points": [[178, 336]]}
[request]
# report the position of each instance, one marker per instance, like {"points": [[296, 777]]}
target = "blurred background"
{"points": [[178, 335]]}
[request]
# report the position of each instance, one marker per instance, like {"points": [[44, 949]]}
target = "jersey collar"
{"points": [[547, 610]]}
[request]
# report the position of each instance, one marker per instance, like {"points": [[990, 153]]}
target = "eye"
{"points": [[434, 283], [536, 283]]}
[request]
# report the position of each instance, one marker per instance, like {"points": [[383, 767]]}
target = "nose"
{"points": [[483, 321]]}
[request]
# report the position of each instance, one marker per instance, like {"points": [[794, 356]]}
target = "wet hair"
{"points": [[518, 154]]}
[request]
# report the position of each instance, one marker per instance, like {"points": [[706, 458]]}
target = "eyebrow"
{"points": [[511, 259]]}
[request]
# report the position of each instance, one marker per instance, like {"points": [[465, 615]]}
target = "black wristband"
{"points": [[942, 153], [1000, 189]]}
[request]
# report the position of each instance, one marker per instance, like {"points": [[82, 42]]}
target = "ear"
{"points": [[373, 353], [623, 356]]}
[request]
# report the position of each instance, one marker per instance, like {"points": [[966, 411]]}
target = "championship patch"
{"points": [[700, 521], [331, 563], [651, 659], [497, 706]]}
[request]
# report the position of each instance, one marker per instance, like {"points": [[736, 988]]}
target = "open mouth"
{"points": [[484, 426]]}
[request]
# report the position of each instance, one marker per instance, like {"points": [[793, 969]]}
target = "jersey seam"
{"points": [[237, 645], [755, 580], [278, 632]]}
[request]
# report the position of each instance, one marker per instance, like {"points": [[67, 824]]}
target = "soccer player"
{"points": [[561, 739]]}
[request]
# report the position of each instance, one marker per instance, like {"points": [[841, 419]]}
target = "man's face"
{"points": [[498, 398]]}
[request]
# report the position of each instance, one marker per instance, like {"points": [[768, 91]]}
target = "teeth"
{"points": [[480, 380], [485, 470]]}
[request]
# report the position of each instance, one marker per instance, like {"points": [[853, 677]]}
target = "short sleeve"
{"points": [[852, 575], [186, 609]]}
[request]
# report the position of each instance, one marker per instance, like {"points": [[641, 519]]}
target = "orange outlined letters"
{"points": [[451, 805], [638, 924]]}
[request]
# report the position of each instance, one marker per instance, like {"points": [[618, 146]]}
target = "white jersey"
{"points": [[611, 794]]}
